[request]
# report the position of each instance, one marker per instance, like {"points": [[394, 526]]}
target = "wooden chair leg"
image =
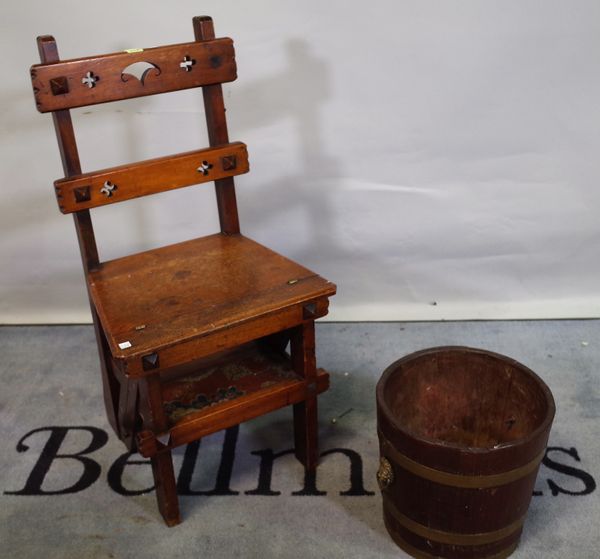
{"points": [[162, 462], [306, 435], [305, 413], [166, 487]]}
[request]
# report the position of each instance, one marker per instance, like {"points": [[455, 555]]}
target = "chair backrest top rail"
{"points": [[97, 79], [117, 184]]}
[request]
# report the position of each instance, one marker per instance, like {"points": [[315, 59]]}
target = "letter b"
{"points": [[91, 468]]}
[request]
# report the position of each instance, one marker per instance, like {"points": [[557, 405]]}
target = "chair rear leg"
{"points": [[305, 413]]}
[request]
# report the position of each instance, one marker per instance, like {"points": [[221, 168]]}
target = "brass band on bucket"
{"points": [[452, 538], [458, 480], [419, 554]]}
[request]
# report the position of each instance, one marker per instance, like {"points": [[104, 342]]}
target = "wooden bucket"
{"points": [[462, 433]]}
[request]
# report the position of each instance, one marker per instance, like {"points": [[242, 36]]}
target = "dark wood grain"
{"points": [[85, 234], [213, 62], [169, 322], [305, 412], [227, 375], [196, 288], [80, 192], [111, 382], [214, 109], [155, 421], [463, 433], [244, 408], [69, 156], [221, 339], [251, 379], [128, 413]]}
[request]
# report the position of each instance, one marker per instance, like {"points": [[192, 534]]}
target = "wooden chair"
{"points": [[192, 336]]}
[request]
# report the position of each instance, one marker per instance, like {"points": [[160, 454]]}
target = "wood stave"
{"points": [[509, 500], [423, 548], [428, 472], [454, 458]]}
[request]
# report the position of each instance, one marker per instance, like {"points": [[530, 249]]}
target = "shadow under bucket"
{"points": [[462, 433]]}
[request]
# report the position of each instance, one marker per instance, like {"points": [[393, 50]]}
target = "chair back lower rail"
{"points": [[99, 188]]}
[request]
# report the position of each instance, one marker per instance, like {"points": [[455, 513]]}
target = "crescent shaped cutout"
{"points": [[139, 71]]}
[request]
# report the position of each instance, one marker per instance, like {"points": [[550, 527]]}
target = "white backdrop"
{"points": [[437, 160]]}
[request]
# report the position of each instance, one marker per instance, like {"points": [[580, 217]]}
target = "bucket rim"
{"points": [[392, 419]]}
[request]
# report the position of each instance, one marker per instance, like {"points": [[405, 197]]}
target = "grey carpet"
{"points": [[49, 378]]}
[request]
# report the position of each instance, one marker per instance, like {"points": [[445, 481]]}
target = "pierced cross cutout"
{"points": [[204, 167], [187, 63], [108, 188], [90, 80]]}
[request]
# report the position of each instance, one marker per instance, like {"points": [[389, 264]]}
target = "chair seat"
{"points": [[165, 296]]}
